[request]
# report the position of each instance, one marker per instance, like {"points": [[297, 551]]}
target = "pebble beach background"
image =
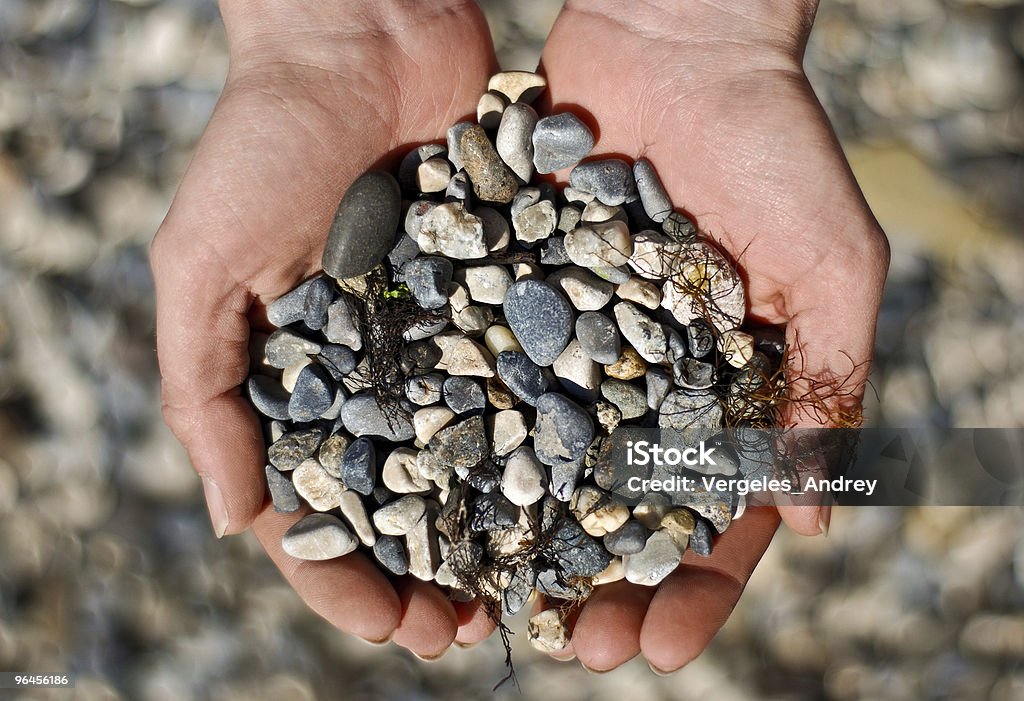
{"points": [[108, 566]]}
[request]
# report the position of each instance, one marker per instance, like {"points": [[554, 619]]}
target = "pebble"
{"points": [[489, 109], [700, 338], [318, 298], [282, 491], [547, 631], [390, 553], [450, 230], [486, 284], [355, 514], [629, 366], [553, 586], [459, 188], [614, 275], [698, 412], [463, 445], [522, 376], [498, 395], [338, 360], [645, 335], [427, 279], [422, 544], [404, 251], [461, 355], [362, 416], [569, 218], [737, 347], [454, 138], [540, 318], [508, 431], [429, 420], [640, 291], [676, 344], [499, 339], [705, 286], [576, 553], [680, 523], [524, 480], [398, 517], [658, 385], [700, 539], [359, 466], [293, 448], [364, 226], [431, 325], [268, 396], [597, 211], [313, 395], [679, 228], [655, 256], [630, 399], [343, 324], [401, 472], [553, 252], [514, 141], [492, 512], [605, 244], [612, 573], [610, 180], [564, 477], [651, 509], [659, 558], [424, 390], [290, 375], [690, 373], [314, 484], [577, 373], [535, 222], [629, 539], [289, 307], [585, 291], [493, 181], [318, 537], [517, 591], [407, 169], [414, 217], [599, 337], [560, 141], [332, 454], [464, 395], [655, 200], [564, 429], [285, 347], [497, 234], [517, 86]]}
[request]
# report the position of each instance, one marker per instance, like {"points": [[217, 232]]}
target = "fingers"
{"points": [[695, 601], [428, 626], [474, 623], [350, 592], [607, 632]]}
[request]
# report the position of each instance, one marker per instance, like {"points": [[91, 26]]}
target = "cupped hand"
{"points": [[316, 93], [713, 94]]}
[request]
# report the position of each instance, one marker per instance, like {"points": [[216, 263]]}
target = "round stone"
{"points": [[363, 416], [427, 278], [610, 180], [659, 558], [629, 539], [318, 537], [517, 86], [524, 480], [585, 291], [493, 181], [564, 429], [602, 244], [398, 517], [629, 398], [655, 200], [364, 226], [560, 141], [541, 319], [522, 376], [390, 553], [359, 466], [514, 141], [643, 333], [599, 337]]}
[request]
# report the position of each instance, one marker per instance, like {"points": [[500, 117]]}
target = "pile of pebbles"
{"points": [[440, 395]]}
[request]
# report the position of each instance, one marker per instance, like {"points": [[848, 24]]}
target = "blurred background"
{"points": [[108, 566]]}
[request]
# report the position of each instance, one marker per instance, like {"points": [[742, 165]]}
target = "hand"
{"points": [[316, 93], [714, 95]]}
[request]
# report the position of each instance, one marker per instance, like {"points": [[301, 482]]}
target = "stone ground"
{"points": [[107, 563]]}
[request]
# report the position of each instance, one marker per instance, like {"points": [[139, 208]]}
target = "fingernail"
{"points": [[569, 658], [594, 671], [659, 672], [466, 646], [378, 643], [424, 658], [215, 503], [824, 518]]}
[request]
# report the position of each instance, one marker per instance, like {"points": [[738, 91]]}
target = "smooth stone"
{"points": [[690, 373], [522, 376], [676, 344], [600, 517], [536, 222], [289, 307], [401, 472], [612, 573], [705, 286], [429, 420], [493, 181], [337, 359], [659, 382], [659, 558], [524, 480], [612, 274], [518, 86], [433, 175], [576, 197], [412, 160], [497, 234], [576, 553], [313, 395], [552, 586], [285, 348], [424, 390], [414, 217], [514, 140], [464, 395], [498, 395], [609, 179], [541, 319], [629, 366], [698, 413], [547, 632], [679, 228], [404, 251], [630, 399], [343, 324], [314, 484], [629, 539], [489, 109], [432, 325], [508, 431], [700, 539], [585, 291], [605, 244], [737, 347], [359, 466], [454, 138], [390, 553], [655, 256], [461, 355], [596, 212], [569, 218], [318, 298], [564, 429], [577, 373], [599, 337], [499, 339], [332, 453], [364, 226], [463, 445], [564, 478], [318, 537], [294, 447], [680, 523], [354, 511], [553, 252], [459, 188], [516, 593], [560, 141], [398, 517], [643, 333], [642, 292], [486, 284], [423, 547], [290, 375], [492, 511], [362, 416], [450, 230], [268, 396], [282, 491], [700, 338], [427, 279], [652, 193]]}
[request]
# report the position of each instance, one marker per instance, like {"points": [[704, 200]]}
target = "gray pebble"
{"points": [[564, 477], [676, 345], [516, 594], [541, 319], [553, 252], [362, 416], [678, 227], [455, 133], [459, 189], [318, 537], [655, 200], [628, 539], [700, 539], [576, 553], [630, 399], [313, 395], [522, 376], [318, 299], [514, 141], [390, 553], [464, 395], [429, 326], [364, 225], [359, 466], [343, 323], [560, 141], [697, 412], [420, 355], [659, 558], [644, 334], [464, 444], [337, 359], [492, 512], [610, 180], [282, 491], [658, 385], [289, 307], [404, 251], [427, 279], [568, 218], [564, 429], [285, 347], [484, 478], [599, 337], [268, 396], [293, 448], [424, 390], [700, 338], [551, 584], [690, 373]]}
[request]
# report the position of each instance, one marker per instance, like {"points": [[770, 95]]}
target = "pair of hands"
{"points": [[713, 94]]}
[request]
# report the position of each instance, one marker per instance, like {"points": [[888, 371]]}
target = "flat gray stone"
{"points": [[700, 337], [282, 492], [390, 553], [313, 395], [318, 537], [343, 323], [337, 359], [610, 180], [404, 251], [427, 278], [454, 135], [464, 395], [576, 553], [294, 447], [696, 413], [564, 477], [655, 200], [364, 226], [659, 558], [599, 337], [560, 141], [541, 319], [268, 396], [564, 429], [700, 539], [318, 298], [492, 512], [628, 539], [629, 398], [522, 376], [690, 373], [359, 466], [285, 348], [362, 416], [659, 382], [424, 390], [289, 307]]}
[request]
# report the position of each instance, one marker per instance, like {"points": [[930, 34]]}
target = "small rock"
{"points": [[364, 226], [496, 232], [547, 631], [461, 355], [700, 338], [493, 181], [318, 537], [463, 445], [289, 307], [535, 222], [338, 360], [629, 366], [737, 347], [655, 256], [540, 318], [697, 412], [640, 291], [489, 109], [656, 201], [414, 217], [659, 558], [429, 420], [401, 472], [629, 539], [332, 453], [596, 212], [516, 593], [285, 348], [602, 244], [362, 416], [564, 477], [450, 230], [291, 374], [282, 492], [612, 274], [430, 325], [514, 141], [424, 390], [318, 298], [610, 180], [522, 376], [492, 511], [343, 324], [690, 373], [560, 141], [517, 86], [676, 344], [408, 168], [658, 385], [564, 429], [508, 431], [398, 517], [313, 395], [599, 337], [608, 415], [646, 336], [630, 399], [498, 395], [705, 286], [454, 138], [553, 586], [390, 553], [292, 449], [459, 188], [651, 509], [612, 573], [576, 553], [359, 466], [680, 524], [428, 279], [578, 374], [499, 339], [553, 252], [314, 484], [524, 479], [487, 284], [586, 291], [404, 251], [268, 396], [355, 514], [464, 395], [679, 228], [700, 539]]}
